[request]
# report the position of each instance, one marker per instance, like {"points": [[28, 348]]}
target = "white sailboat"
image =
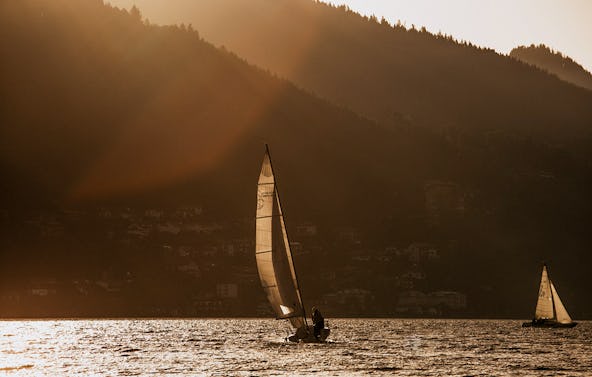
{"points": [[274, 258], [549, 311]]}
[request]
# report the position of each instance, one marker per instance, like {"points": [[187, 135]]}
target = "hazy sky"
{"points": [[564, 25]]}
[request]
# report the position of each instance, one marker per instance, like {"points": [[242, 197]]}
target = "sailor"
{"points": [[318, 321]]}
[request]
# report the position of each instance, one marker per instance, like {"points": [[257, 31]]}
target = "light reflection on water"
{"points": [[254, 347]]}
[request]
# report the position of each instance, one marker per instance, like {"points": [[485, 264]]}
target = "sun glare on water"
{"points": [[16, 338]]}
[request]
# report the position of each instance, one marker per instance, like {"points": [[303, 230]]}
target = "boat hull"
{"points": [[308, 336], [549, 324]]}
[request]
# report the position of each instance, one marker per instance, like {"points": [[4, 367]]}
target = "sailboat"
{"points": [[274, 259], [549, 311]]}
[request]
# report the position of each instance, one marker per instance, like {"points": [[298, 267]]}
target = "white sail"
{"points": [[560, 312], [544, 308], [272, 250]]}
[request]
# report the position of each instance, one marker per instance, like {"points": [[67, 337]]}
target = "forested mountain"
{"points": [[554, 62], [108, 106], [100, 108], [387, 72]]}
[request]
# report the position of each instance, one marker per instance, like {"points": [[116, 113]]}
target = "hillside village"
{"points": [[179, 262]]}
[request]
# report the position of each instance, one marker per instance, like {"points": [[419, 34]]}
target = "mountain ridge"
{"points": [[388, 72], [555, 63]]}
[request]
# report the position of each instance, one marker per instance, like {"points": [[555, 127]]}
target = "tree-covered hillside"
{"points": [[387, 72], [102, 110], [554, 62]]}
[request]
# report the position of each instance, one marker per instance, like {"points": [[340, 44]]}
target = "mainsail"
{"points": [[272, 250], [544, 308], [560, 312]]}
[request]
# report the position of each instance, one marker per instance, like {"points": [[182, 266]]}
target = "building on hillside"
{"points": [[306, 230], [227, 290]]}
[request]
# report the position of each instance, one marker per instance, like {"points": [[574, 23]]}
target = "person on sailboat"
{"points": [[318, 321]]}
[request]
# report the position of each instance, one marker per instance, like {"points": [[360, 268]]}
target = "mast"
{"points": [[290, 259]]}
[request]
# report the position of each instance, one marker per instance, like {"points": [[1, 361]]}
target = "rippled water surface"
{"points": [[254, 347]]}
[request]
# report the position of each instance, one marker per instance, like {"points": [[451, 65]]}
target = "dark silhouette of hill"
{"points": [[100, 108], [554, 62], [110, 106], [387, 72]]}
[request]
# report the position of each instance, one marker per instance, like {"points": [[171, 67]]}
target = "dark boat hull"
{"points": [[549, 324], [308, 336]]}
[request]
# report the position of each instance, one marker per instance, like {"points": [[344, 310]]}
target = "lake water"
{"points": [[256, 347]]}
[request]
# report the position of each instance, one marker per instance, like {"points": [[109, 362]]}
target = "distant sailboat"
{"points": [[274, 258], [549, 311]]}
